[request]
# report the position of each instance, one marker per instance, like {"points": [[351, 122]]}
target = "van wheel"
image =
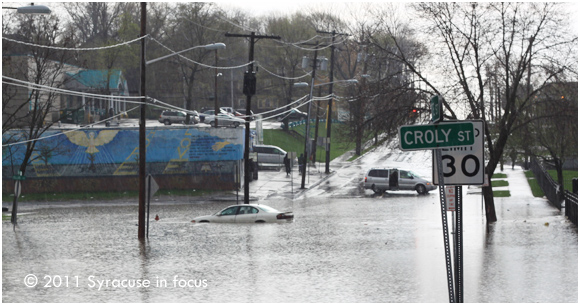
{"points": [[376, 190], [212, 123], [167, 122], [421, 189]]}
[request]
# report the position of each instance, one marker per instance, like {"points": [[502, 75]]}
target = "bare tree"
{"points": [[555, 125], [42, 66], [94, 22], [284, 57], [465, 38]]}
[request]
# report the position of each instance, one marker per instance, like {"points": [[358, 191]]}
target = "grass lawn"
{"points": [[568, 176], [498, 183], [501, 194], [537, 190], [294, 141]]}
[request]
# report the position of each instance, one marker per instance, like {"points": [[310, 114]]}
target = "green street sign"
{"points": [[436, 109], [19, 178], [431, 136]]}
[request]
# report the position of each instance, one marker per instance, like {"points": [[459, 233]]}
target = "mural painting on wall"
{"points": [[102, 152]]}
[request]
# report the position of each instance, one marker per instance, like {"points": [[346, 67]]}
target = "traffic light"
{"points": [[414, 112]]}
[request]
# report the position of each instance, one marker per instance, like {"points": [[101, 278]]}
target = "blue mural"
{"points": [[115, 151]]}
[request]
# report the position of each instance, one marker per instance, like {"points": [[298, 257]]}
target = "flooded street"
{"points": [[365, 249]]}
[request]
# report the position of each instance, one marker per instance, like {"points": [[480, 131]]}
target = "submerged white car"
{"points": [[247, 213]]}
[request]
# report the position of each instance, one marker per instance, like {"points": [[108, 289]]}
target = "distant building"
{"points": [[103, 82], [18, 100]]}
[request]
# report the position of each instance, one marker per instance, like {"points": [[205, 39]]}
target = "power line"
{"points": [[74, 49]]}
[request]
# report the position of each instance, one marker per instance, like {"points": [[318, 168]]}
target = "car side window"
{"points": [[244, 210], [406, 175], [229, 211], [383, 173], [373, 173], [252, 210]]}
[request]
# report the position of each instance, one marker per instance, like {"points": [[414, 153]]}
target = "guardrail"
{"points": [[312, 121]]}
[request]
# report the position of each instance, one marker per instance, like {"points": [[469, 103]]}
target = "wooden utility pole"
{"points": [[329, 110], [142, 146], [249, 90]]}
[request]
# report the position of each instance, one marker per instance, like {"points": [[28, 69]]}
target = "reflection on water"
{"points": [[348, 250]]}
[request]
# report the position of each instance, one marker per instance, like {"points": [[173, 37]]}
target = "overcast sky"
{"points": [[257, 8]]}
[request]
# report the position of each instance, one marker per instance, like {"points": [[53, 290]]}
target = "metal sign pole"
{"points": [[445, 227], [459, 244]]}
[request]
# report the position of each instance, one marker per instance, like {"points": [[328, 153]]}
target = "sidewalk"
{"points": [[518, 183]]}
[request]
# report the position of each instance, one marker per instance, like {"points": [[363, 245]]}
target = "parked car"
{"points": [[224, 120], [231, 111], [294, 114], [269, 154], [243, 113], [247, 213], [210, 112], [381, 179], [169, 117]]}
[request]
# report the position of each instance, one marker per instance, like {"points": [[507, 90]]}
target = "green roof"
{"points": [[97, 79]]}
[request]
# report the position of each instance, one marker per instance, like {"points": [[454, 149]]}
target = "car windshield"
{"points": [[268, 209]]}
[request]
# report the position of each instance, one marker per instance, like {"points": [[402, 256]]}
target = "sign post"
{"points": [[17, 190], [460, 145], [151, 187]]}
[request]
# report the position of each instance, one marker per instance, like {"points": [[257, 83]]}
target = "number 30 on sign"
{"points": [[463, 165]]}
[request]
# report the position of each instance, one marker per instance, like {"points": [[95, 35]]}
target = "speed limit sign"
{"points": [[463, 165]]}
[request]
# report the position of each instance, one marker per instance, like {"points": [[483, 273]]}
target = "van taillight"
{"points": [[365, 179]]}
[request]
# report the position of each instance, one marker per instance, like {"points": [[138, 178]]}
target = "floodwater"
{"points": [[366, 249]]}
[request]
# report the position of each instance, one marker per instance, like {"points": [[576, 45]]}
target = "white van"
{"points": [[269, 154], [382, 179]]}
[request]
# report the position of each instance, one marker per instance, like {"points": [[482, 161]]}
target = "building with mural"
{"points": [[106, 159]]}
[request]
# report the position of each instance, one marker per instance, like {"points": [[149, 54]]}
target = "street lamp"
{"points": [[348, 81], [216, 47], [31, 9]]}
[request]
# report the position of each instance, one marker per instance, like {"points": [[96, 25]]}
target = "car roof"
{"points": [[263, 145], [255, 205]]}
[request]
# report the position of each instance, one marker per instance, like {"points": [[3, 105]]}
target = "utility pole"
{"points": [[142, 146], [307, 134], [330, 100], [249, 90]]}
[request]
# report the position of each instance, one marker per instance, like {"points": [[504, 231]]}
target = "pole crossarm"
{"points": [[254, 36]]}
